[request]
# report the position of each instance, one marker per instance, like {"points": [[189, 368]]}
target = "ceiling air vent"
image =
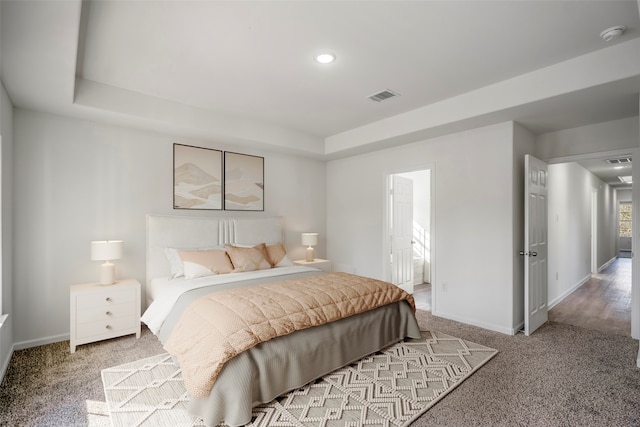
{"points": [[619, 160], [383, 96]]}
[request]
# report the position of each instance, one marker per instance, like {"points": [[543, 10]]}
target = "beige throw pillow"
{"points": [[277, 256], [248, 259], [200, 263]]}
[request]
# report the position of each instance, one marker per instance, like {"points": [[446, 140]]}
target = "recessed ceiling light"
{"points": [[626, 179], [612, 33], [325, 58]]}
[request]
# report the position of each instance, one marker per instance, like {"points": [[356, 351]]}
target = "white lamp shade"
{"points": [[105, 250], [310, 239]]}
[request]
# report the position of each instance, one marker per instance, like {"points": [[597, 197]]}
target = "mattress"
{"points": [[156, 287]]}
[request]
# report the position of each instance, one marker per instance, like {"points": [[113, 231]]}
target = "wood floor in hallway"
{"points": [[602, 303], [422, 296]]}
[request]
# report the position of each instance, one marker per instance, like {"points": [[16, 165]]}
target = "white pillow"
{"points": [[175, 262], [200, 263], [285, 262], [177, 267]]}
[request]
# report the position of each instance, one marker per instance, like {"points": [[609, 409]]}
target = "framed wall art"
{"points": [[243, 182], [197, 178]]}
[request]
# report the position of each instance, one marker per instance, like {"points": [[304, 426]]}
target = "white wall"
{"points": [[607, 221], [624, 195], [473, 235], [609, 136], [77, 181], [6, 230], [570, 187]]}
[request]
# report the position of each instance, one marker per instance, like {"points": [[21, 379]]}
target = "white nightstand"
{"points": [[100, 312], [322, 264]]}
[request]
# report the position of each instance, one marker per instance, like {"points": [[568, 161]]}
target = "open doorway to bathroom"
{"points": [[421, 258]]}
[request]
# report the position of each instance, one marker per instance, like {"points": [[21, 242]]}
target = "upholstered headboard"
{"points": [[190, 232]]}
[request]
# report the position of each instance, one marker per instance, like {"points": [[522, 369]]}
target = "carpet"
{"points": [[389, 388]]}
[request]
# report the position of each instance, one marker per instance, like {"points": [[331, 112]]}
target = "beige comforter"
{"points": [[221, 325]]}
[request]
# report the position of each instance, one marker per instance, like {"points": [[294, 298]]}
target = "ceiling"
{"points": [[256, 59], [610, 173], [244, 71]]}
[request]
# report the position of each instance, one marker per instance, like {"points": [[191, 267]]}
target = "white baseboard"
{"points": [[472, 322], [518, 328], [28, 344], [568, 292], [607, 264], [5, 363], [40, 341], [7, 358]]}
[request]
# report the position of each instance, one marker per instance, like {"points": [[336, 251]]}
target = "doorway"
{"points": [[603, 250], [420, 260]]}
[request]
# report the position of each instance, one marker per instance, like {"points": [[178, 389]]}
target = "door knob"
{"points": [[528, 253]]}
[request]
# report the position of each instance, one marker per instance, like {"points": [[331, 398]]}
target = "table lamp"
{"points": [[310, 239], [106, 250]]}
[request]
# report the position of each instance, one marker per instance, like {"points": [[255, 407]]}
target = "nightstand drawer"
{"points": [[106, 298], [105, 327], [85, 315]]}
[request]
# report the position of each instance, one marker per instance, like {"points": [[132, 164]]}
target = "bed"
{"points": [[271, 368]]}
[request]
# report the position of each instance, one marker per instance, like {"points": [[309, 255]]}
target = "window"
{"points": [[624, 220]]}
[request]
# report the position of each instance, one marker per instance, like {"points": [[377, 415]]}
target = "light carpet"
{"points": [[388, 388]]}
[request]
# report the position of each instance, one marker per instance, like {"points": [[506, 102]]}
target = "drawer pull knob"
{"points": [[108, 326], [108, 313], [108, 299]]}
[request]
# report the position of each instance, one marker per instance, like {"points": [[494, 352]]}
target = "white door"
{"points": [[535, 241], [402, 233]]}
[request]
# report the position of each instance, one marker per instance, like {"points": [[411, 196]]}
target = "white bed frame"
{"points": [[191, 232]]}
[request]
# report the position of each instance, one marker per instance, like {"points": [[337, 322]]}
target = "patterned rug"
{"points": [[392, 387]]}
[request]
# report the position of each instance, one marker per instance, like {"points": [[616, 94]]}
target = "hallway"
{"points": [[422, 296], [602, 303]]}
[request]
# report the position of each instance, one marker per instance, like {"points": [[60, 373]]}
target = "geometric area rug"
{"points": [[391, 387]]}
